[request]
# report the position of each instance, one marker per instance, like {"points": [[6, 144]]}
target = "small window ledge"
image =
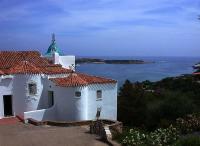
{"points": [[99, 99]]}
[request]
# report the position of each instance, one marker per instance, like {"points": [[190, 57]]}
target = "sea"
{"points": [[161, 68]]}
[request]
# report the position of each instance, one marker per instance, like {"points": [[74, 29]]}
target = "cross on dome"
{"points": [[53, 38]]}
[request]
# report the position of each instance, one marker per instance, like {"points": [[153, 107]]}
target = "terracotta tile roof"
{"points": [[55, 70], [196, 73], [15, 62], [79, 79], [25, 67], [11, 58]]}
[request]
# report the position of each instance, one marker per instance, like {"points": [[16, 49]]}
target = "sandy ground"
{"points": [[29, 135]]}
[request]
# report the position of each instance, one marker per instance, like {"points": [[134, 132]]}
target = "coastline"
{"points": [[109, 61], [162, 68]]}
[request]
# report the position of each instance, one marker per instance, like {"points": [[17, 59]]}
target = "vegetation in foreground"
{"points": [[153, 107], [188, 141]]}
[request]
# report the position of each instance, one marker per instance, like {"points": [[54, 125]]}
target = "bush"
{"points": [[189, 141], [166, 110], [163, 137], [175, 105], [151, 105], [189, 124], [160, 137], [134, 138], [131, 105]]}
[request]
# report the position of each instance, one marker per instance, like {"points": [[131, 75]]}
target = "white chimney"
{"points": [[56, 58]]}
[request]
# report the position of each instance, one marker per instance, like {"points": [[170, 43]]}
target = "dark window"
{"points": [[78, 94], [51, 98], [99, 94], [32, 87]]}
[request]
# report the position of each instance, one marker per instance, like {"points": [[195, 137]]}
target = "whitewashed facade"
{"points": [[36, 95]]}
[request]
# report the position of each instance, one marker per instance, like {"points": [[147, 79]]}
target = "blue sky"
{"points": [[102, 27]]}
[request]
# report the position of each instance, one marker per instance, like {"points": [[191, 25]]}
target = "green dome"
{"points": [[53, 48]]}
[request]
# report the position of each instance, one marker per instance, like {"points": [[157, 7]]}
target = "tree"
{"points": [[132, 104]]}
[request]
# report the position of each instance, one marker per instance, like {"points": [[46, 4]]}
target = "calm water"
{"points": [[163, 67]]}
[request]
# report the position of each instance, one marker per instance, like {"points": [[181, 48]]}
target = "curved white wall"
{"points": [[72, 108], [69, 107], [23, 101]]}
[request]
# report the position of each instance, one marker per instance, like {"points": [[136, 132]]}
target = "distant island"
{"points": [[104, 61]]}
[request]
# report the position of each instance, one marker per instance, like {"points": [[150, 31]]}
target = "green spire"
{"points": [[53, 47]]}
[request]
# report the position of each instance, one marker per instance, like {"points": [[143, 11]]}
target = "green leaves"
{"points": [[159, 137], [189, 124], [158, 104]]}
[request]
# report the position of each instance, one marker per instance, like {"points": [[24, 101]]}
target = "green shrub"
{"points": [[164, 112], [175, 105], [160, 137], [163, 137], [189, 124], [189, 141], [120, 136], [131, 105], [134, 138], [151, 105]]}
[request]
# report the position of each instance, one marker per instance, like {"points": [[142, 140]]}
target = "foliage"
{"points": [[160, 137], [135, 138], [131, 104], [187, 85], [120, 136], [188, 141], [158, 104], [189, 124], [174, 105], [154, 106]]}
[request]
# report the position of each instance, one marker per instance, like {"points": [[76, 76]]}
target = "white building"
{"points": [[48, 88]]}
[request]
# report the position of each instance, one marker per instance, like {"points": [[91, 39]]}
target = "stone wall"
{"points": [[115, 127]]}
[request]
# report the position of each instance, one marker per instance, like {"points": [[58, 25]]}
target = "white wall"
{"points": [[67, 61], [108, 103], [22, 101], [6, 86], [56, 58], [69, 107], [47, 86], [42, 115]]}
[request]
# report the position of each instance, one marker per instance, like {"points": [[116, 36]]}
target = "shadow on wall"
{"points": [[43, 100], [5, 82]]}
